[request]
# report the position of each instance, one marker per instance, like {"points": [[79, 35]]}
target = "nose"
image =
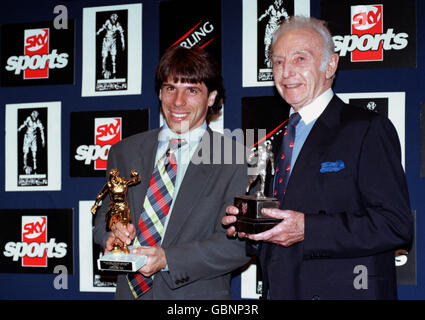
{"points": [[287, 70], [180, 99]]}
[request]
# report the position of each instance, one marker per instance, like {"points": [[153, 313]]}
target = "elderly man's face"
{"points": [[297, 57]]}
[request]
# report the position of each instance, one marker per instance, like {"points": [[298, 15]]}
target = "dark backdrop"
{"points": [[40, 286]]}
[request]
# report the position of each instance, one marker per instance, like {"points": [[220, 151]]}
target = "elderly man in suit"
{"points": [[187, 180], [342, 189]]}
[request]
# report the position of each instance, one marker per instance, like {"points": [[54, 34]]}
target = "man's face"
{"points": [[185, 105], [297, 56]]}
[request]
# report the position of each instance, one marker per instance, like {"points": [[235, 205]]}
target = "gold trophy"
{"points": [[120, 258], [250, 219]]}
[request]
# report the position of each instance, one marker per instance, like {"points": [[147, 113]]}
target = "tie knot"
{"points": [[174, 144], [294, 119]]}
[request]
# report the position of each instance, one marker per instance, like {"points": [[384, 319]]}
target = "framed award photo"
{"points": [[261, 18], [91, 278], [112, 50], [33, 146]]}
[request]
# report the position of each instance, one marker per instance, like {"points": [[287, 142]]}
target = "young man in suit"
{"points": [[188, 253], [343, 193]]}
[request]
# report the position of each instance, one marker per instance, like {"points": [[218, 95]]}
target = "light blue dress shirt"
{"points": [[309, 115]]}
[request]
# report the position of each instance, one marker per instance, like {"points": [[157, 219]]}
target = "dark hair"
{"points": [[193, 65]]}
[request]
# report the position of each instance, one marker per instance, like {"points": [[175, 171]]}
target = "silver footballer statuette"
{"points": [[250, 219]]}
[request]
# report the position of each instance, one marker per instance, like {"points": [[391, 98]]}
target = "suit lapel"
{"points": [[144, 162], [191, 189], [320, 137], [276, 145]]}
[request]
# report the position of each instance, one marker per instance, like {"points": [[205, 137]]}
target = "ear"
{"points": [[159, 94], [211, 98], [332, 66]]}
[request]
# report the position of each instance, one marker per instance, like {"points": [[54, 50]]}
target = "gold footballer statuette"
{"points": [[118, 210]]}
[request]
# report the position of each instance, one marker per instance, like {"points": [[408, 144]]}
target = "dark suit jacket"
{"points": [[357, 216], [199, 255]]}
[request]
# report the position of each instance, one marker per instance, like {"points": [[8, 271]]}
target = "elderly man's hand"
{"points": [[285, 233], [230, 219]]}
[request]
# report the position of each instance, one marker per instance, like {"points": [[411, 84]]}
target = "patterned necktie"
{"points": [[283, 167], [155, 210]]}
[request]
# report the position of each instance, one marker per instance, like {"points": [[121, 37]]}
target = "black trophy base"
{"points": [[253, 226], [250, 219]]}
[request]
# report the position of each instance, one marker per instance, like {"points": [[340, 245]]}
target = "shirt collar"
{"points": [[314, 109], [192, 136]]}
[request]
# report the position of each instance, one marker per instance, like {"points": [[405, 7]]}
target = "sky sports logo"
{"points": [[367, 20], [36, 61], [107, 131], [34, 232], [36, 42], [368, 41], [34, 248], [94, 132]]}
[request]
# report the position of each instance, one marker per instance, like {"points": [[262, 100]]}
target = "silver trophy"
{"points": [[250, 219]]}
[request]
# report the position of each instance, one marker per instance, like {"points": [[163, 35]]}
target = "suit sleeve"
{"points": [[213, 256], [383, 220]]}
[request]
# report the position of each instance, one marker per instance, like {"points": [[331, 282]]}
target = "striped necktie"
{"points": [[155, 210], [283, 167]]}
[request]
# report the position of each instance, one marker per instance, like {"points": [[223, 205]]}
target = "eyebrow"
{"points": [[196, 86], [296, 52]]}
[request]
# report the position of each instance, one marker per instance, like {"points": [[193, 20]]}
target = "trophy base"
{"points": [[250, 219], [122, 262], [253, 226]]}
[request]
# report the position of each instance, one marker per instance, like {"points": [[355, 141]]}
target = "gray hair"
{"points": [[320, 26]]}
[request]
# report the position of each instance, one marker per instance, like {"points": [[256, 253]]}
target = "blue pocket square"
{"points": [[332, 166]]}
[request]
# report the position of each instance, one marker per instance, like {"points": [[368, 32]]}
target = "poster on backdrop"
{"points": [[112, 50], [33, 144], [390, 104], [94, 132], [200, 26], [91, 278], [370, 34], [36, 241], [261, 18], [263, 116], [37, 54]]}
